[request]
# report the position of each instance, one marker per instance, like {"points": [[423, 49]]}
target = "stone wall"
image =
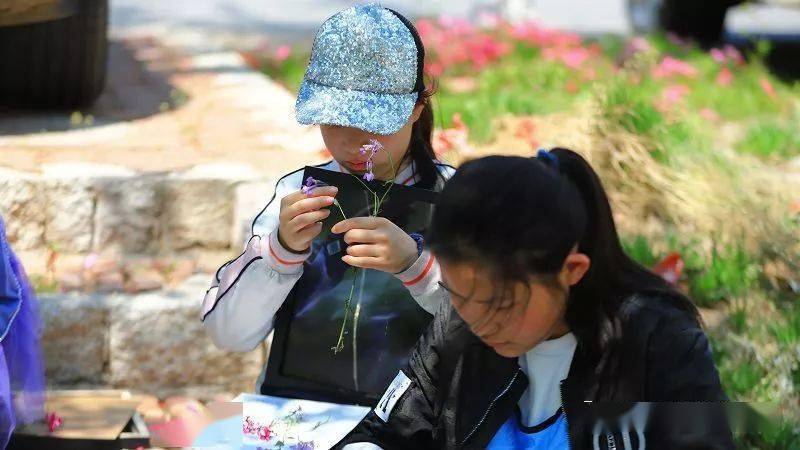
{"points": [[153, 342], [101, 210]]}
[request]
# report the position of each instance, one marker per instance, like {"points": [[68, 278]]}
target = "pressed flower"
{"points": [[265, 433]]}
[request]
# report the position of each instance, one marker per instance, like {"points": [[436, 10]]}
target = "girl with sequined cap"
{"points": [[363, 83]]}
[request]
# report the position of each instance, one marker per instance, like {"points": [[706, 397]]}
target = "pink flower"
{"points": [[734, 54], [264, 433], [434, 69], [54, 421], [249, 427], [283, 52], [637, 45], [670, 66], [574, 58], [767, 87], [709, 114], [725, 77], [425, 28], [672, 95], [718, 55]]}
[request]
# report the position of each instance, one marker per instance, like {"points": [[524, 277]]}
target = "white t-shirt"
{"points": [[545, 366]]}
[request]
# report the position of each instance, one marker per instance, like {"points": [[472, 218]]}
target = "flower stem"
{"points": [[340, 343], [339, 205]]}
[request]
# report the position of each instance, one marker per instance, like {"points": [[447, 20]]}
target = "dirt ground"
{"points": [[165, 110]]}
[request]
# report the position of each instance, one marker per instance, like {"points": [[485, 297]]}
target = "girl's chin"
{"points": [[508, 350]]}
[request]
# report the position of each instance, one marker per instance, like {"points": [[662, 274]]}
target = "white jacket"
{"points": [[240, 306]]}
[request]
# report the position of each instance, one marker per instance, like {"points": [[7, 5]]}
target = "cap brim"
{"points": [[376, 113]]}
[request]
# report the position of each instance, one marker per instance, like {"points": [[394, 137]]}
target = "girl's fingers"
{"points": [[323, 191], [296, 196], [362, 250], [366, 262], [303, 220], [308, 204], [364, 223], [308, 233], [359, 236]]}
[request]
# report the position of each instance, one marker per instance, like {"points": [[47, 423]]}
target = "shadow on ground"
{"points": [[136, 88]]}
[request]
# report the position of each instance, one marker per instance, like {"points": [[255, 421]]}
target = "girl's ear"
{"points": [[575, 267], [416, 112]]}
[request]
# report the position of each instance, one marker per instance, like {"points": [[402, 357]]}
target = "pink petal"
{"points": [[718, 55], [709, 114], [725, 77], [283, 52], [767, 87]]}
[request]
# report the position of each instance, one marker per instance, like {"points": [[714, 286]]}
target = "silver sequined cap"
{"points": [[362, 72]]}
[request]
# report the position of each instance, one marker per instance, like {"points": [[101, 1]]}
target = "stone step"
{"points": [[84, 207], [152, 342]]}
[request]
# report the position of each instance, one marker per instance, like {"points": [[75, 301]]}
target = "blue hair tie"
{"points": [[547, 158]]}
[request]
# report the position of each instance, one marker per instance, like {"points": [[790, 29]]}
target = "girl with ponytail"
{"points": [[553, 337], [364, 87]]}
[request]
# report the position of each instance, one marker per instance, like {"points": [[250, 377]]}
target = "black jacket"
{"points": [[461, 391]]}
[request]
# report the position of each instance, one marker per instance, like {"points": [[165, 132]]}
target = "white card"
{"points": [[399, 386], [274, 422]]}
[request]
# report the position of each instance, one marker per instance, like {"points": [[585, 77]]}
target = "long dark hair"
{"points": [[518, 217], [421, 146]]}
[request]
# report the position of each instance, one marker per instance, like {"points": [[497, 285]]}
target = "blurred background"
{"points": [[138, 139]]}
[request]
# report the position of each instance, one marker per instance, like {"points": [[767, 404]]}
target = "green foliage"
{"points": [[631, 107], [640, 251], [770, 139], [519, 85], [729, 272]]}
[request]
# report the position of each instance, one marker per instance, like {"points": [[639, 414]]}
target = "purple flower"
{"points": [[309, 186], [373, 148], [303, 446]]}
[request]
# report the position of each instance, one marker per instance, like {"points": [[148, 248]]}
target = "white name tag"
{"points": [[399, 386]]}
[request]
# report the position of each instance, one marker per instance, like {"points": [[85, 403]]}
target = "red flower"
{"points": [[54, 421], [264, 433], [670, 268]]}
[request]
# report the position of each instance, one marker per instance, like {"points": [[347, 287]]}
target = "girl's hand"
{"points": [[376, 243], [302, 215]]}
